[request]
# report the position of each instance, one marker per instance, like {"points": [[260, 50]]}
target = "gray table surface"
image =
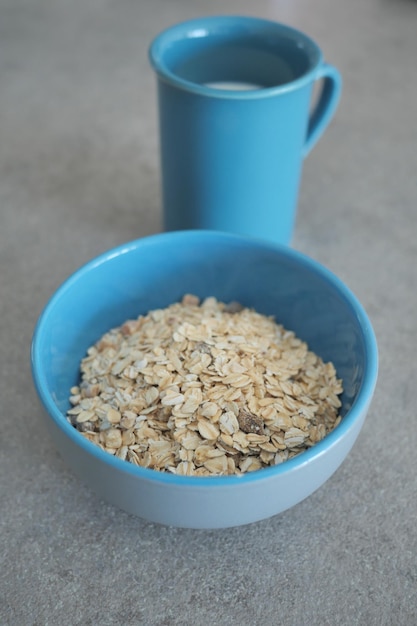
{"points": [[79, 174]]}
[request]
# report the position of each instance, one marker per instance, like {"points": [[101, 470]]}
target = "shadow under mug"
{"points": [[236, 121]]}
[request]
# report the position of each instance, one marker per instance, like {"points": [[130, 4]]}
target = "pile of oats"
{"points": [[204, 388]]}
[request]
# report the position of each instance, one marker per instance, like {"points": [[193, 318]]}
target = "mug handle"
{"points": [[326, 105]]}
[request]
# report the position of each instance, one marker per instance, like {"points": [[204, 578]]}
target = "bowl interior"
{"points": [[156, 271]]}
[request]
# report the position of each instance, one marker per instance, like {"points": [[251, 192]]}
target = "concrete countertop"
{"points": [[79, 174]]}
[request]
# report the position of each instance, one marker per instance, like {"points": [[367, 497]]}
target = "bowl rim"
{"points": [[354, 414]]}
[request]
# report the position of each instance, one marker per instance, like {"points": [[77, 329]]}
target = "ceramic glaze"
{"points": [[154, 272], [232, 158]]}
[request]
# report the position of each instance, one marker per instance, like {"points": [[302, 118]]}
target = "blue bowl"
{"points": [[156, 271]]}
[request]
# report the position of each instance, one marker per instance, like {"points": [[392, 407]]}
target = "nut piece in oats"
{"points": [[250, 423]]}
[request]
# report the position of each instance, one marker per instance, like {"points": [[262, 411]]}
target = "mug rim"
{"points": [[203, 27]]}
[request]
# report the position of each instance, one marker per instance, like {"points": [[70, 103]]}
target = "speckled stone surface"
{"points": [[79, 173]]}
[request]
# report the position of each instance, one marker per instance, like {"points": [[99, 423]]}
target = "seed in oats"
{"points": [[204, 388]]}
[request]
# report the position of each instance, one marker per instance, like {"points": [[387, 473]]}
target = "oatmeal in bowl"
{"points": [[204, 388]]}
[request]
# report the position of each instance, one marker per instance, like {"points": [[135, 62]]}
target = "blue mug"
{"points": [[236, 122]]}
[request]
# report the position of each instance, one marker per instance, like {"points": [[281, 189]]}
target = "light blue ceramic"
{"points": [[156, 271], [231, 160]]}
